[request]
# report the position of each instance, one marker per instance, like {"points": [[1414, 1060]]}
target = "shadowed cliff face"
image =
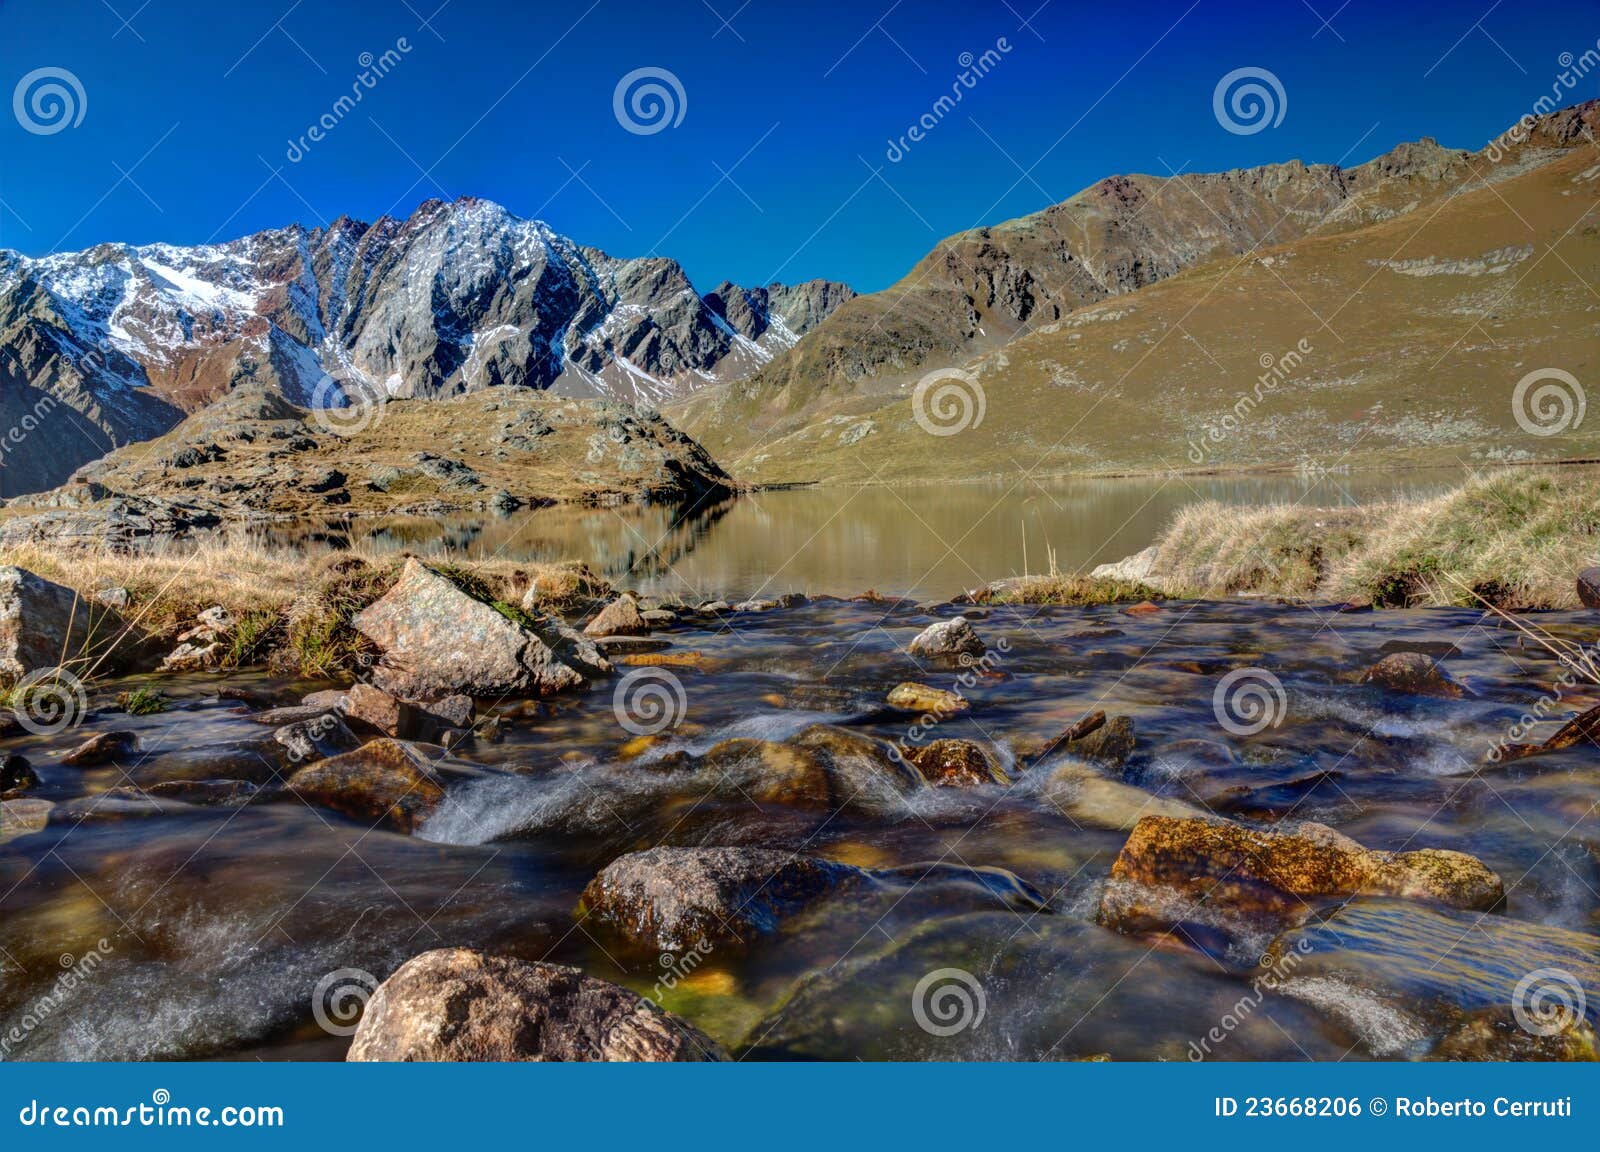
{"points": [[457, 298]]}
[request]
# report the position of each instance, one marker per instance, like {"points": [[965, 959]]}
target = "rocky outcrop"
{"points": [[44, 625], [438, 641], [673, 899], [1138, 568], [1171, 869], [458, 1005]]}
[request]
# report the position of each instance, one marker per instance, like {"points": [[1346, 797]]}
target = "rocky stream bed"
{"points": [[822, 829]]}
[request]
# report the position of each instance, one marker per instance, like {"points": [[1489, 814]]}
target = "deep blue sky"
{"points": [[198, 103]]}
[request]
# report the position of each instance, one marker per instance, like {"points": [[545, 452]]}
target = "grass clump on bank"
{"points": [[1067, 591], [290, 610], [1516, 538]]}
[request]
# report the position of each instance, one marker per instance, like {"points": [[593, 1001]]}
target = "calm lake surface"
{"points": [[924, 541]]}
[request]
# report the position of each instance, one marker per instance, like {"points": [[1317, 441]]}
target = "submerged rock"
{"points": [[16, 775], [1084, 796], [1415, 674], [911, 697], [23, 817], [1471, 986], [316, 739], [673, 899], [996, 986], [199, 793], [1173, 869], [955, 764], [102, 748], [437, 641], [682, 899], [948, 640], [458, 1005]]}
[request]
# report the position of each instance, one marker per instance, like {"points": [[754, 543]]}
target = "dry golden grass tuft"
{"points": [[1515, 539], [291, 608]]}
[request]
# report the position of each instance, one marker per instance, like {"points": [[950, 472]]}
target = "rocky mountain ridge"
{"points": [[979, 290], [117, 343]]}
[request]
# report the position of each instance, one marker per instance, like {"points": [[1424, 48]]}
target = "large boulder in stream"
{"points": [[682, 899], [671, 899], [439, 641], [948, 641], [621, 617], [454, 1004], [1415, 674], [1175, 870], [44, 625], [823, 767], [394, 782], [955, 764]]}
